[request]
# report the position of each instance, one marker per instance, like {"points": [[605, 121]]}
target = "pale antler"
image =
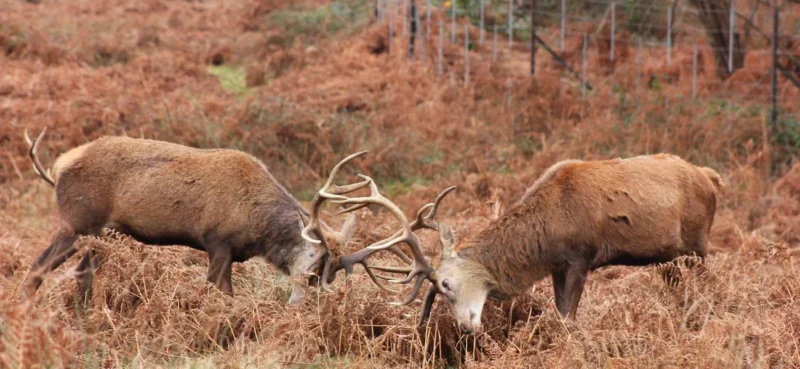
{"points": [[422, 269], [37, 165], [329, 191], [422, 221]]}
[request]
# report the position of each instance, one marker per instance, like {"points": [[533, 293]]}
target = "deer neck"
{"points": [[513, 249]]}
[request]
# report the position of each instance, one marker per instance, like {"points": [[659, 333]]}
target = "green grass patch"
{"points": [[396, 187], [232, 78]]}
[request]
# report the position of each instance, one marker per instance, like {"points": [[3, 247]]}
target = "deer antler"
{"points": [[329, 191], [421, 269], [37, 165]]}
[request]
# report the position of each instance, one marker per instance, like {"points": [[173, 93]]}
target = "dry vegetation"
{"points": [[300, 86]]}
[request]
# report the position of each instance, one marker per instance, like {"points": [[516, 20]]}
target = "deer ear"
{"points": [[348, 228], [303, 219], [448, 240]]}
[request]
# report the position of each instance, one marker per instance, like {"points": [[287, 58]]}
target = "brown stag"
{"points": [[223, 202], [577, 217]]}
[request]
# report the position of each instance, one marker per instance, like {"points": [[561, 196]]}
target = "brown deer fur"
{"points": [[223, 202], [580, 216]]}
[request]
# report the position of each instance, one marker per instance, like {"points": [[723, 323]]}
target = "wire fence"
{"points": [[589, 46]]}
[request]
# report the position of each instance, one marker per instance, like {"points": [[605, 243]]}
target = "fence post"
{"points": [[391, 25], [483, 12], [613, 27], [439, 67], [732, 21], [563, 23], [404, 15], [428, 20], [510, 23], [639, 73], [774, 69], [583, 61], [533, 37], [466, 55], [669, 35], [422, 35], [453, 22], [413, 26]]}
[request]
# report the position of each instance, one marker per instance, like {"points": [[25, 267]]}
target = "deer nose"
{"points": [[464, 329]]}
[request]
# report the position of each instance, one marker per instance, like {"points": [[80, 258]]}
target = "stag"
{"points": [[577, 217], [223, 202]]}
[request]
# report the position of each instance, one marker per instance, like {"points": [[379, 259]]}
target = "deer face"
{"points": [[461, 282], [311, 258], [308, 260]]}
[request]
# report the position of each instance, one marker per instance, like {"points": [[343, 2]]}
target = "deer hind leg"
{"points": [[575, 280], [84, 276], [61, 249], [219, 270], [559, 285]]}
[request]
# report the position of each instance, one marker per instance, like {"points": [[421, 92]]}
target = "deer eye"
{"points": [[445, 285]]}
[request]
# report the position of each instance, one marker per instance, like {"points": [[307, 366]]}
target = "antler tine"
{"points": [[377, 198], [374, 278], [352, 209], [37, 165], [401, 255], [426, 221], [391, 269], [27, 138], [330, 191], [414, 292]]}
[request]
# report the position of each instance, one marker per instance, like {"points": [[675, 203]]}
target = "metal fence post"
{"points": [[391, 25], [533, 37], [613, 28], [453, 22], [669, 36], [730, 36], [413, 28], [774, 71], [483, 15], [510, 22], [428, 20], [563, 23], [439, 66], [466, 54], [583, 62]]}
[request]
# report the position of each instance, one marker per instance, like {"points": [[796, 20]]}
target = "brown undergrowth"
{"points": [[240, 75]]}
